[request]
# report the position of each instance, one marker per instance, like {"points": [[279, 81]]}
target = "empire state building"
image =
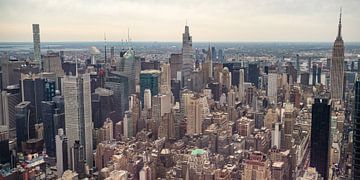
{"points": [[337, 66]]}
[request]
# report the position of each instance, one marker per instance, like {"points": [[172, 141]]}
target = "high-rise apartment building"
{"points": [[36, 41], [78, 119], [337, 66], [241, 87]]}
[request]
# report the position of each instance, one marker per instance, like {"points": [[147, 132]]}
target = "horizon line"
{"points": [[151, 41]]}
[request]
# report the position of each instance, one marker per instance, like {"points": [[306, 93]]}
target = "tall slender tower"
{"points": [[36, 39], [241, 85], [78, 119], [337, 66], [187, 55]]}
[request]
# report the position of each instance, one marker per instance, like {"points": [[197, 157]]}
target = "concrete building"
{"points": [[165, 82], [194, 116], [61, 152], [36, 41], [176, 62], [257, 166], [272, 87]]}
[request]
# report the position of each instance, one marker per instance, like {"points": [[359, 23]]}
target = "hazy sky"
{"points": [[164, 20]]}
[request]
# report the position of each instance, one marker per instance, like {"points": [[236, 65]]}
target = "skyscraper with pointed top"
{"points": [[187, 55], [337, 66]]}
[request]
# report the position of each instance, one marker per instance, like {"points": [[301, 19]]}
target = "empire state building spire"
{"points": [[339, 30], [337, 66]]}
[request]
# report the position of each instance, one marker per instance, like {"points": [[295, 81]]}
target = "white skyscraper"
{"points": [[276, 135], [36, 40], [272, 87], [78, 119], [187, 55], [165, 85], [147, 99], [61, 149]]}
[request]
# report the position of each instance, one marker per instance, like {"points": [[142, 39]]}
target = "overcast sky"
{"points": [[164, 20]]}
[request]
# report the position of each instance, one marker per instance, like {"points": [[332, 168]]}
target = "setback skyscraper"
{"points": [[187, 55], [337, 66]]}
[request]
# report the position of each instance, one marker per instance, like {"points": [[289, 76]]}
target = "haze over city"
{"points": [[162, 20], [180, 90]]}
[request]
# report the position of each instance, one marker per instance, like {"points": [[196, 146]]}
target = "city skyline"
{"points": [[210, 21], [175, 110]]}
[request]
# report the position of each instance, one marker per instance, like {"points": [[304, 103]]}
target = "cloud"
{"points": [[163, 20]]}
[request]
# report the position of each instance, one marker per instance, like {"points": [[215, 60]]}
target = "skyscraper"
{"points": [[165, 78], [320, 136], [194, 117], [119, 84], [78, 119], [337, 66], [298, 71], [253, 74], [187, 55], [147, 99], [48, 110], [241, 85], [33, 90], [36, 40], [272, 87], [314, 69], [149, 79], [356, 134], [25, 124], [175, 66], [10, 97], [9, 75], [61, 152], [289, 122], [130, 67], [207, 67], [4, 145], [52, 63], [102, 102]]}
